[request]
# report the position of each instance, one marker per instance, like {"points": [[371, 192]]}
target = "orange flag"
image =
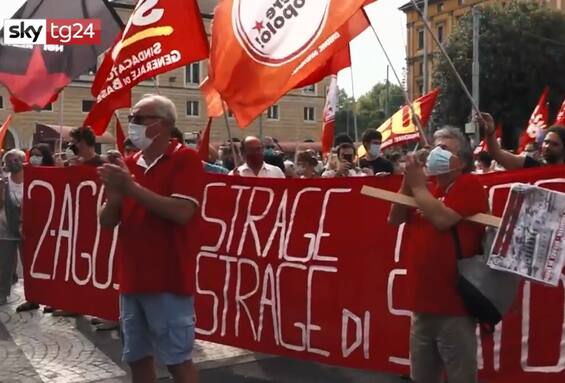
{"points": [[400, 129], [337, 62], [261, 50], [537, 123], [212, 98], [560, 120], [120, 137], [4, 129], [329, 116]]}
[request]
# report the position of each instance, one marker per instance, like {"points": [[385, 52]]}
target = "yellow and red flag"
{"points": [[261, 50], [537, 123], [400, 128]]}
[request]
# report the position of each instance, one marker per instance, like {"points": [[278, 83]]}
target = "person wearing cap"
{"points": [[552, 149]]}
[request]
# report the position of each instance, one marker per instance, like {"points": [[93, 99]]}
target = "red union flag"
{"points": [[272, 46], [537, 123], [400, 128], [159, 36], [329, 116], [560, 120]]}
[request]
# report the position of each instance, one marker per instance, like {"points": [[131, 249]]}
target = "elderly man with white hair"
{"points": [[11, 194], [154, 196]]}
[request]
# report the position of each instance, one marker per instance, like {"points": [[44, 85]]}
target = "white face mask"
{"points": [[36, 160], [136, 133], [438, 161]]}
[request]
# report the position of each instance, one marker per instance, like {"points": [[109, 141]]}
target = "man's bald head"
{"points": [[251, 143], [252, 149]]}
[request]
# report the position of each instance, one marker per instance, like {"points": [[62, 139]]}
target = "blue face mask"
{"points": [[375, 150], [438, 161], [269, 152]]}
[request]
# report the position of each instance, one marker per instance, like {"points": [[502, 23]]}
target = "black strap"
{"points": [[457, 243]]}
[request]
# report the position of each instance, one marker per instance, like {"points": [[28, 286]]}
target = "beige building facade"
{"points": [[443, 16], [296, 117]]}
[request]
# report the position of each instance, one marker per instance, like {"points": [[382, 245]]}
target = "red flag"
{"points": [[560, 120], [482, 147], [4, 129], [537, 123], [159, 37], [204, 147], [337, 62], [329, 116], [262, 50], [120, 138], [400, 128], [212, 98]]}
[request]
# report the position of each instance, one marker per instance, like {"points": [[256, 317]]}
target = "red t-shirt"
{"points": [[155, 252], [431, 255]]}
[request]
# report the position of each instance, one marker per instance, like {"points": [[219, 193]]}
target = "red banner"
{"points": [[304, 268]]}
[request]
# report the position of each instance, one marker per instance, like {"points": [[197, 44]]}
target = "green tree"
{"points": [[370, 108], [522, 49]]}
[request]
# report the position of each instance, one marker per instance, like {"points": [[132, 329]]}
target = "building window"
{"points": [[310, 89], [440, 7], [420, 88], [1, 102], [192, 74], [192, 108], [87, 105], [421, 39], [440, 33], [420, 68], [309, 113], [273, 112]]}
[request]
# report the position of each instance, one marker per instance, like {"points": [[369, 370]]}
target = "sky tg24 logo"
{"points": [[51, 31]]}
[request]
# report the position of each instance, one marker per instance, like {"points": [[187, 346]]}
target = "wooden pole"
{"points": [[485, 219]]}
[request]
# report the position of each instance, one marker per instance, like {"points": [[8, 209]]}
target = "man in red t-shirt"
{"points": [[442, 337], [154, 196]]}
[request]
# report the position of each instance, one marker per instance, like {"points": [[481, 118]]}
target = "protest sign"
{"points": [[303, 268], [530, 241]]}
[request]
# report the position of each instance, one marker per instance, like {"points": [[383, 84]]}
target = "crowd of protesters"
{"points": [[157, 154]]}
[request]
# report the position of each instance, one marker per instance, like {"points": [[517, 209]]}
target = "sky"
{"points": [[368, 61]]}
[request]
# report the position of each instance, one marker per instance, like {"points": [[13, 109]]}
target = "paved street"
{"points": [[37, 347]]}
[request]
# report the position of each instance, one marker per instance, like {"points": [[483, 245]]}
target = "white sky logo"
{"points": [[51, 31], [277, 31]]}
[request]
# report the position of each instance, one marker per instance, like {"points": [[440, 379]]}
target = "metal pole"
{"points": [[387, 101], [449, 62], [232, 145], [476, 67], [425, 65], [261, 126], [407, 99], [61, 122], [354, 105]]}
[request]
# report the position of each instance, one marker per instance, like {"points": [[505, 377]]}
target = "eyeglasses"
{"points": [[138, 119]]}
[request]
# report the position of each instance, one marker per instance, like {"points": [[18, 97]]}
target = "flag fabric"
{"points": [[35, 74], [329, 116], [400, 128], [4, 129], [120, 137], [537, 123], [159, 36], [204, 146], [262, 50], [212, 98], [560, 120], [337, 62]]}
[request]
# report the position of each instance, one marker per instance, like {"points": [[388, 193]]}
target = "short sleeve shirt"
{"points": [[156, 253], [431, 254]]}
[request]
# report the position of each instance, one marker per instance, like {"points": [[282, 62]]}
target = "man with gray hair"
{"points": [[11, 195], [442, 336], [154, 196]]}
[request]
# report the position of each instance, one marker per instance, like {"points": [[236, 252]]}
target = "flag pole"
{"points": [[354, 106], [156, 85], [61, 110], [232, 145], [449, 62], [408, 100]]}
